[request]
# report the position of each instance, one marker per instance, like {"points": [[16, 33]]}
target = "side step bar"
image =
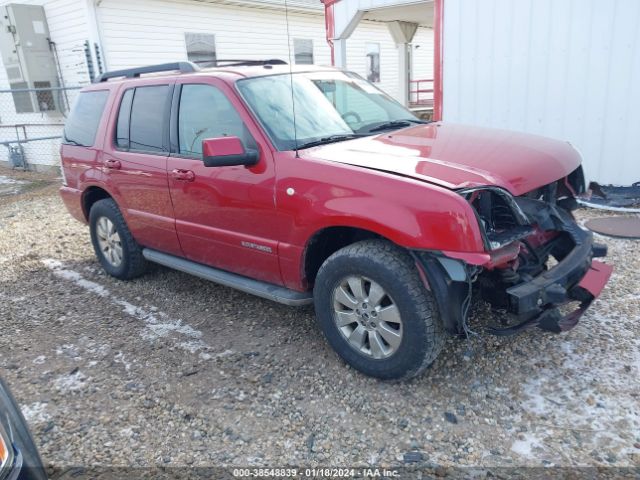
{"points": [[228, 279]]}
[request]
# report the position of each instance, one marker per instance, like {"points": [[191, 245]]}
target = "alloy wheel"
{"points": [[367, 317], [109, 241]]}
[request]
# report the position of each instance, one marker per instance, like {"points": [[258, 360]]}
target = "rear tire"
{"points": [[117, 251], [375, 311]]}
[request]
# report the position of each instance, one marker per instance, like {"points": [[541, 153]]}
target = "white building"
{"points": [[91, 36], [568, 69]]}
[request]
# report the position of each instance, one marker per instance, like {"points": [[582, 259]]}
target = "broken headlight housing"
{"points": [[500, 218]]}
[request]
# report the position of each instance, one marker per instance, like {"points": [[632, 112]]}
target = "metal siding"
{"points": [[568, 69]]}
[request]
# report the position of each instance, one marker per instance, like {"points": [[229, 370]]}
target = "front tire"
{"points": [[375, 311], [117, 251]]}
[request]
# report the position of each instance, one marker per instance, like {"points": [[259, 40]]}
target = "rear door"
{"points": [[225, 216], [136, 163]]}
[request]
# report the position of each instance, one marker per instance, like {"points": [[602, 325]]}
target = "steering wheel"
{"points": [[356, 118]]}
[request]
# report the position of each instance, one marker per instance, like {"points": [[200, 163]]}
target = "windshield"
{"points": [[329, 106]]}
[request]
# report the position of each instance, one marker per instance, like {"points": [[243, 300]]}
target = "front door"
{"points": [[224, 215]]}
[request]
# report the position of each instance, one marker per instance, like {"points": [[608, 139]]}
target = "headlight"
{"points": [[500, 218], [7, 455]]}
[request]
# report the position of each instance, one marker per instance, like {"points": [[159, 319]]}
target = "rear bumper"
{"points": [[72, 199]]}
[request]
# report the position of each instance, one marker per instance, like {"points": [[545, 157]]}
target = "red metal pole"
{"points": [[438, 17], [329, 25]]}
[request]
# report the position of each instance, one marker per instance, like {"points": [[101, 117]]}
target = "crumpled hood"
{"points": [[458, 156]]}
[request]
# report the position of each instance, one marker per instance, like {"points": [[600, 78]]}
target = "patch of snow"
{"points": [[127, 432], [35, 413], [75, 277], [70, 350], [526, 445], [593, 386], [226, 353], [119, 358], [71, 383], [194, 346], [9, 181], [39, 360], [158, 324]]}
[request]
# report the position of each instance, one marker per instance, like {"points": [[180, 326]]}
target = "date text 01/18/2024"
{"points": [[315, 473]]}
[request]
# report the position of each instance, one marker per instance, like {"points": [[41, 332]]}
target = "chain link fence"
{"points": [[31, 124]]}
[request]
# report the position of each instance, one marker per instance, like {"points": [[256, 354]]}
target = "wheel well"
{"points": [[328, 241], [91, 196]]}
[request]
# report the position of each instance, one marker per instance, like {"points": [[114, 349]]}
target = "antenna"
{"points": [[293, 100]]}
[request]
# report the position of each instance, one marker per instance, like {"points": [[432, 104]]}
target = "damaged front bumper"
{"points": [[576, 278], [531, 301]]}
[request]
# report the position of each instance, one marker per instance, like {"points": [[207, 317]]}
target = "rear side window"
{"points": [[147, 118], [141, 119], [84, 119]]}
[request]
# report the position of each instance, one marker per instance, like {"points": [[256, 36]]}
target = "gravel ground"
{"points": [[171, 370]]}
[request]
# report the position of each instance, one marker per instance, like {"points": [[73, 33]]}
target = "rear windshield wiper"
{"points": [[329, 139], [395, 124]]}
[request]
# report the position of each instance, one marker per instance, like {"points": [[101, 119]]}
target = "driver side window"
{"points": [[205, 112]]}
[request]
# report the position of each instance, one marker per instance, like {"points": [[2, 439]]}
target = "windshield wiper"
{"points": [[329, 139], [395, 124]]}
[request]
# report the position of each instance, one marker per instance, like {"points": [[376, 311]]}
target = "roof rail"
{"points": [[183, 67], [249, 63]]}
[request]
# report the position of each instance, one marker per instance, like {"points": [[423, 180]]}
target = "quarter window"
{"points": [[205, 112], [83, 121], [124, 114], [146, 129]]}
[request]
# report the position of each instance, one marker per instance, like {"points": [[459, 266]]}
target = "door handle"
{"points": [[183, 175], [112, 164]]}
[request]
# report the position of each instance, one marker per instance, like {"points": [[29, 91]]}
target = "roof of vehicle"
{"points": [[227, 72]]}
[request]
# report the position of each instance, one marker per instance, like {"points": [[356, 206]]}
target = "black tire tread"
{"points": [[135, 263], [403, 265]]}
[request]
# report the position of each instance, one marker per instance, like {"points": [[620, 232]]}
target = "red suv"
{"points": [[388, 224]]}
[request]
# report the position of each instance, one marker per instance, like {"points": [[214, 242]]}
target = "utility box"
{"points": [[28, 57]]}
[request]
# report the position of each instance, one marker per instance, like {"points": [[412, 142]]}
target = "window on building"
{"points": [[373, 62], [83, 121], [201, 48], [205, 112], [122, 127], [147, 118], [303, 51]]}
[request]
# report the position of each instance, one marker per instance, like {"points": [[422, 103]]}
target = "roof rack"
{"points": [[249, 63], [183, 67]]}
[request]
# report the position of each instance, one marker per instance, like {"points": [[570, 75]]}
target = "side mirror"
{"points": [[226, 151]]}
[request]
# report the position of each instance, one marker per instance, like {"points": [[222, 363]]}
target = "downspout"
{"points": [[329, 25]]}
